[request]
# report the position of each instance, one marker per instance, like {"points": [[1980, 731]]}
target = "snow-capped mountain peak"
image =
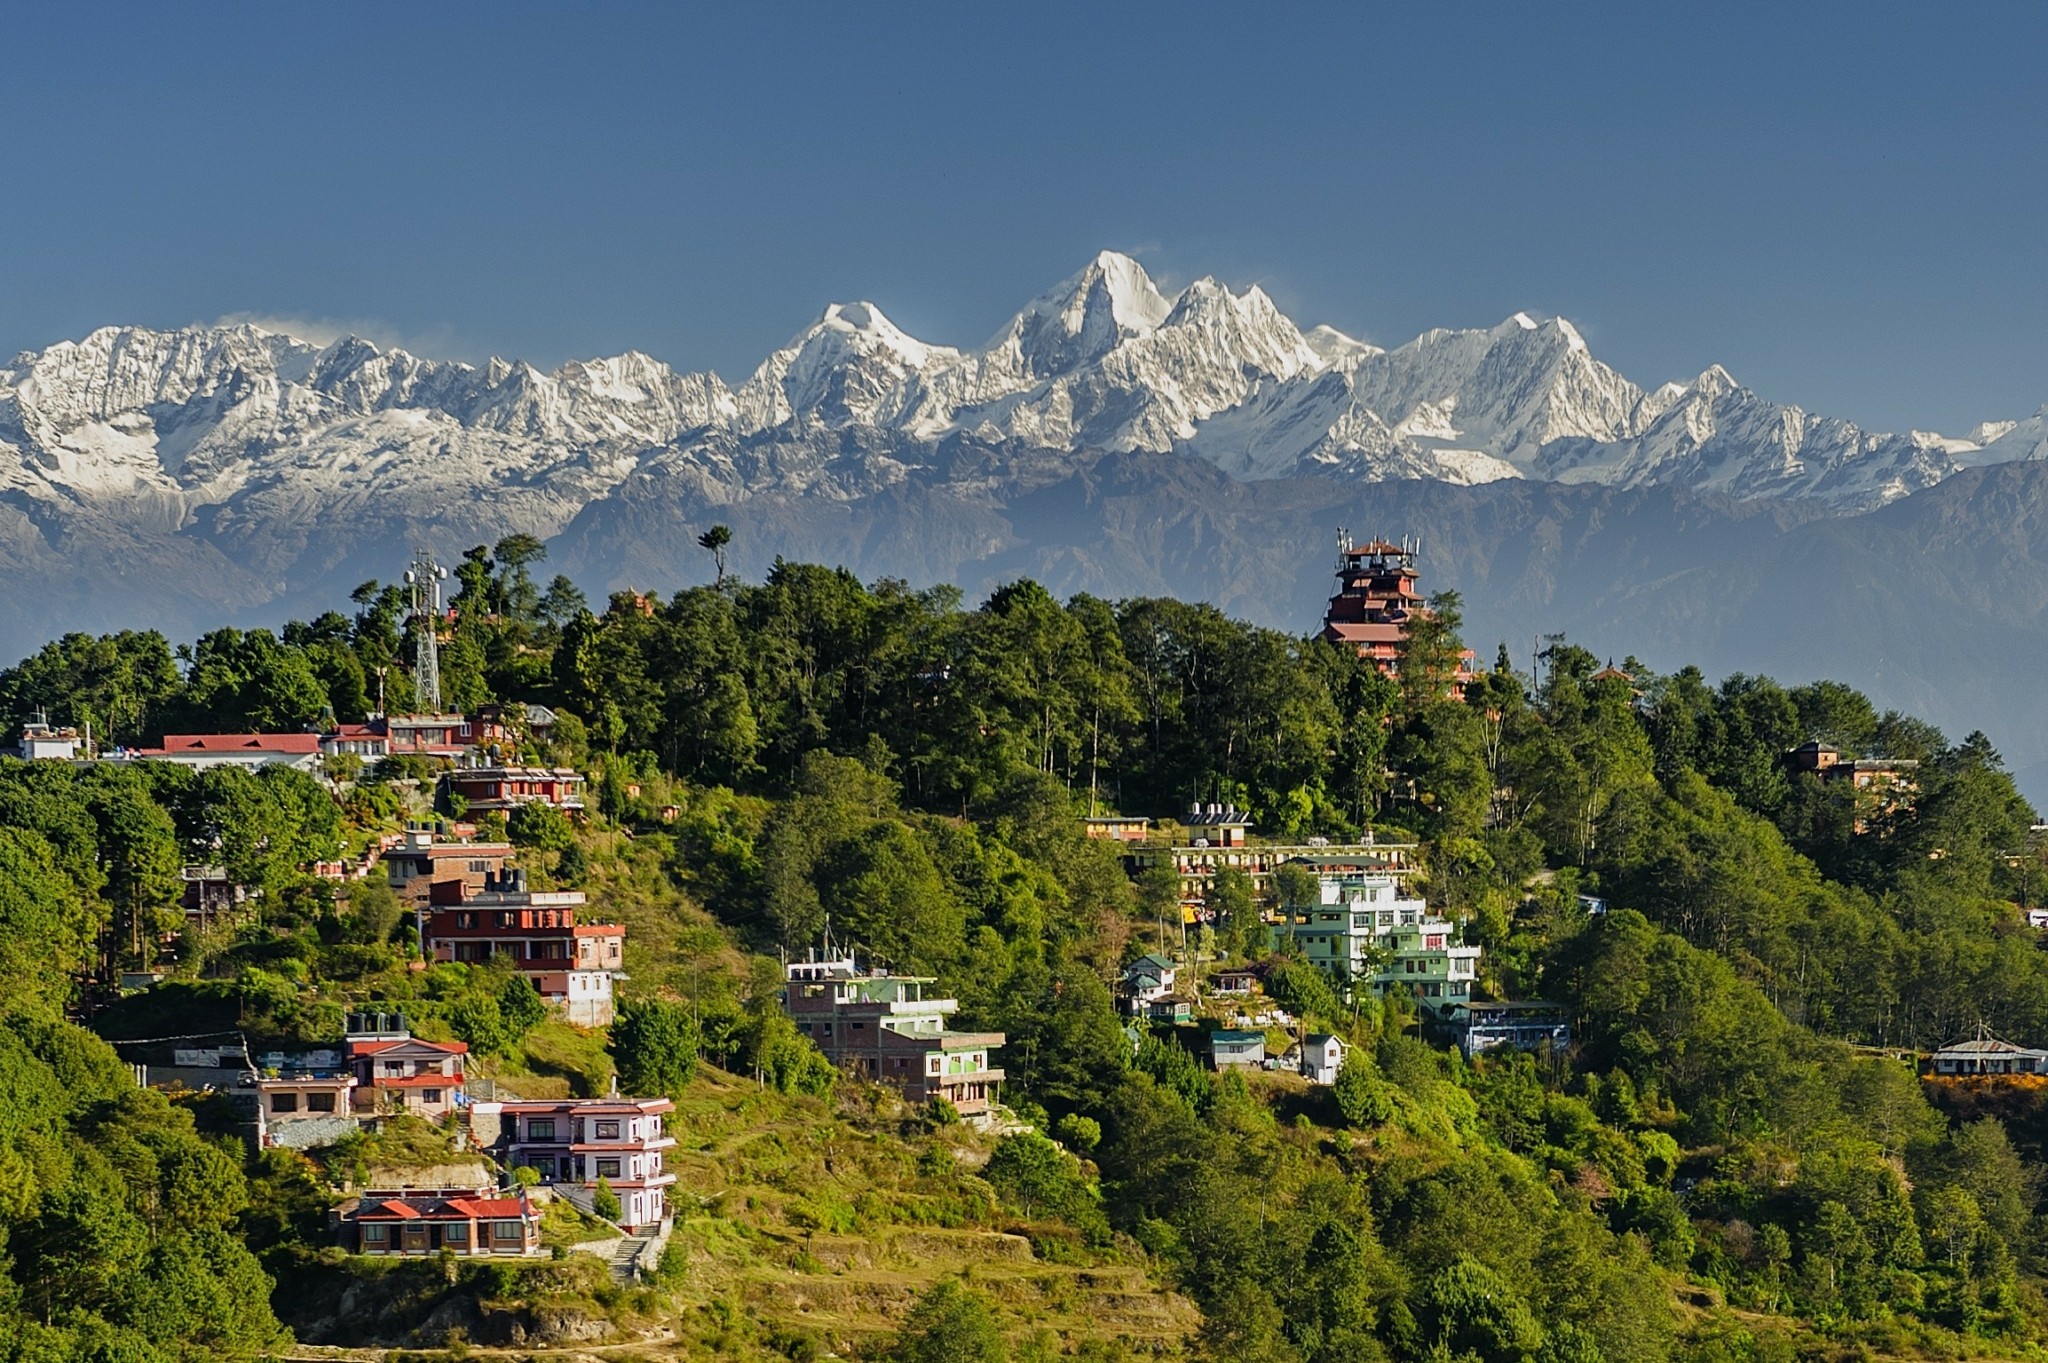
{"points": [[1109, 301], [1337, 350]]}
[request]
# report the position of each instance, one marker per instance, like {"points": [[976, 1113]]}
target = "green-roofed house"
{"points": [[1237, 1048]]}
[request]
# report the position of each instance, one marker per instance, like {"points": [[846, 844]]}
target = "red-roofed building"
{"points": [[1376, 604], [367, 741], [238, 750], [504, 788], [542, 933], [496, 1226], [397, 1072], [577, 1141]]}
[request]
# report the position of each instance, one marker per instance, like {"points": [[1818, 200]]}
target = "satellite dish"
{"points": [[440, 572], [410, 577]]}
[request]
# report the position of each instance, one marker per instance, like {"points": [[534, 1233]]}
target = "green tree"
{"points": [[605, 1202], [520, 1008], [46, 926], [1236, 912], [516, 554], [949, 1324], [716, 539], [654, 1043], [539, 825]]}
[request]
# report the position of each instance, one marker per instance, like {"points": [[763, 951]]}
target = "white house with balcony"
{"points": [[574, 1142]]}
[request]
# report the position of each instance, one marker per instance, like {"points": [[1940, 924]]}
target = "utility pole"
{"points": [[425, 578]]}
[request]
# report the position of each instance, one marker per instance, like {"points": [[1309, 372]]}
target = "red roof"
{"points": [[291, 743], [451, 1209], [379, 1047], [1366, 632]]}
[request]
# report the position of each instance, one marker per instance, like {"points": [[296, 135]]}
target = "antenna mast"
{"points": [[425, 578]]}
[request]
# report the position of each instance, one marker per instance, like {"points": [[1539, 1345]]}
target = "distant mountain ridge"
{"points": [[1110, 437], [213, 416]]}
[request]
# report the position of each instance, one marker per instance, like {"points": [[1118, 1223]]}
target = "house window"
{"points": [[540, 1128], [607, 1131], [319, 1102], [456, 1234], [430, 1095], [284, 1102], [507, 1230], [374, 1234], [608, 1168]]}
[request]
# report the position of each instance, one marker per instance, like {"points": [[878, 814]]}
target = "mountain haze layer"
{"points": [[1110, 437]]}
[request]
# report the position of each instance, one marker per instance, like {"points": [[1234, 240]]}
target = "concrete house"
{"points": [[397, 1072], [546, 935], [1364, 934], [1322, 1057], [1985, 1055], [1523, 1026], [420, 860], [505, 788], [574, 1142], [248, 751], [304, 1107], [882, 1027]]}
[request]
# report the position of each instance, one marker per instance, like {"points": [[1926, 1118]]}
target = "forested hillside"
{"points": [[1735, 1161]]}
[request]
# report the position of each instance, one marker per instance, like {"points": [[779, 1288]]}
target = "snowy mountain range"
{"points": [[1109, 438], [165, 427]]}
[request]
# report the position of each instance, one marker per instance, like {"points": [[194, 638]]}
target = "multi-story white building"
{"points": [[577, 1141], [1363, 934]]}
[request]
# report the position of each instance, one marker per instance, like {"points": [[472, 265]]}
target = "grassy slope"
{"points": [[793, 1218]]}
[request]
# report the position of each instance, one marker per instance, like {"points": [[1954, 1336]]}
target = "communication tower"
{"points": [[425, 578]]}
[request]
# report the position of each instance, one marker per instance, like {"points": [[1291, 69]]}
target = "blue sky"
{"points": [[1844, 204]]}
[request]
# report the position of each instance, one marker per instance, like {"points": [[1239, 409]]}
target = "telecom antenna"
{"points": [[425, 578]]}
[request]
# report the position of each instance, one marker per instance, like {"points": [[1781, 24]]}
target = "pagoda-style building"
{"points": [[1376, 602]]}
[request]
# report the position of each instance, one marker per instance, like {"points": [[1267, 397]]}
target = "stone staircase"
{"points": [[632, 1257]]}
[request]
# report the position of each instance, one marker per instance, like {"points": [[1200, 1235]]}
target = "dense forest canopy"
{"points": [[811, 750]]}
